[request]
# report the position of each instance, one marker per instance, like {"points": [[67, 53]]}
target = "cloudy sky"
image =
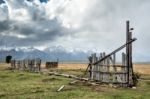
{"points": [[97, 25]]}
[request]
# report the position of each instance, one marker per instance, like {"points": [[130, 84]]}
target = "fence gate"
{"points": [[105, 69]]}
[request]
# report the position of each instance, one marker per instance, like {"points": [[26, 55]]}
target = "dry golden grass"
{"points": [[72, 66], [3, 66], [140, 68]]}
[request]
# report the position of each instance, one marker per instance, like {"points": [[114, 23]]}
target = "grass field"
{"points": [[140, 68], [25, 85]]}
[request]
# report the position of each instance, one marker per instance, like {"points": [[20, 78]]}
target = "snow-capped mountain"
{"points": [[48, 54], [24, 53], [62, 54]]}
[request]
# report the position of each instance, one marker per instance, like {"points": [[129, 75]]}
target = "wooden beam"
{"points": [[118, 49]]}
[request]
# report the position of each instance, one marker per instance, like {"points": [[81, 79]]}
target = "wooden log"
{"points": [[73, 82], [68, 76]]}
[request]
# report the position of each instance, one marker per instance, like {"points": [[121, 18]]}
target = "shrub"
{"points": [[136, 76], [8, 59]]}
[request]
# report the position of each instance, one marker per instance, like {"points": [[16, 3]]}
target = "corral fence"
{"points": [[51, 64], [105, 69], [33, 65]]}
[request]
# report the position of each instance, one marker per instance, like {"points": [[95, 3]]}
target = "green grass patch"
{"points": [[26, 85]]}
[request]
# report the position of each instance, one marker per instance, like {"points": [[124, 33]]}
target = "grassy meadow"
{"points": [[26, 85]]}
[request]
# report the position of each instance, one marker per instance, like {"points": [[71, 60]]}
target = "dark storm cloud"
{"points": [[35, 33], [4, 26], [2, 1], [38, 30]]}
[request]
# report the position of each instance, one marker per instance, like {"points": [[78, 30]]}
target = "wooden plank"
{"points": [[19, 64], [103, 72], [24, 64], [68, 76], [124, 69], [100, 68], [130, 62], [37, 65], [13, 64], [104, 68], [108, 69], [92, 67], [59, 89], [30, 66], [96, 68]]}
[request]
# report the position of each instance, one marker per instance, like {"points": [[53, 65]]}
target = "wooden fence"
{"points": [[51, 64], [33, 65], [107, 71], [104, 68]]}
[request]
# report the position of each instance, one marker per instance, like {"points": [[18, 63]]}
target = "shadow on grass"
{"points": [[32, 91]]}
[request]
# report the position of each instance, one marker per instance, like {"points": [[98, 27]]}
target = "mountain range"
{"points": [[53, 53]]}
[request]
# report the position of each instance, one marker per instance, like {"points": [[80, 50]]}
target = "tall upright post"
{"points": [[129, 53], [130, 59], [127, 50]]}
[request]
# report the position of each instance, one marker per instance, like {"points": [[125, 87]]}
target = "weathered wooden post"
{"points": [[96, 70], [101, 68], [104, 68], [114, 68], [38, 64], [30, 65], [19, 64], [24, 64], [129, 54], [107, 65], [13, 64], [124, 68], [33, 65], [93, 66]]}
